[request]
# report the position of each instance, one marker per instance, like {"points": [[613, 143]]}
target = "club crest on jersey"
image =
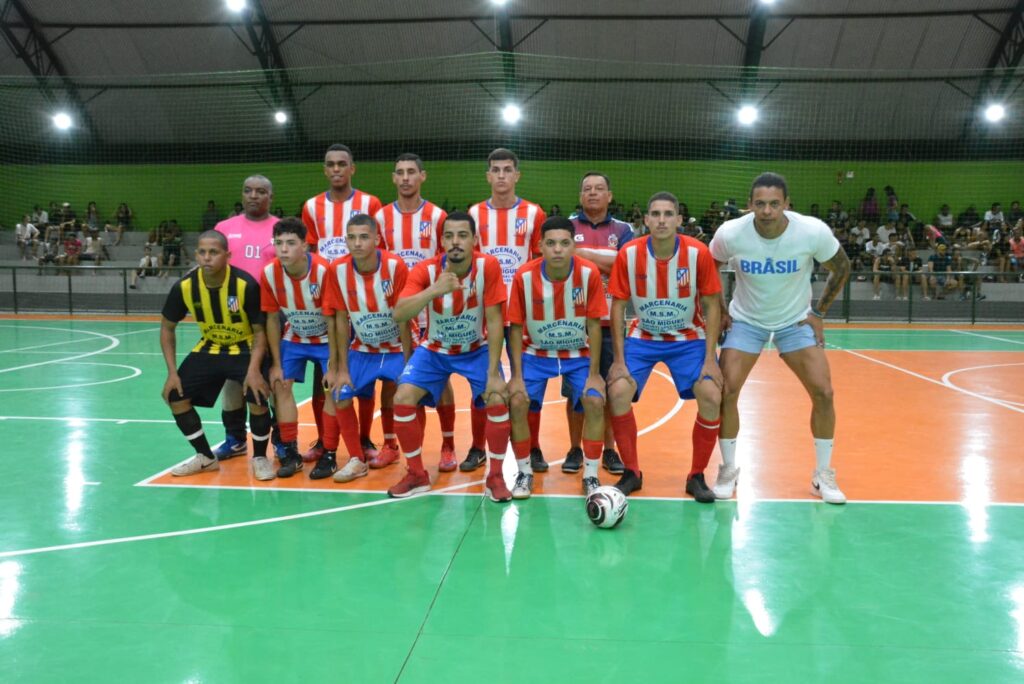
{"points": [[578, 237], [233, 304], [682, 277], [577, 296], [613, 241], [354, 212], [520, 226], [386, 286], [314, 290], [424, 230]]}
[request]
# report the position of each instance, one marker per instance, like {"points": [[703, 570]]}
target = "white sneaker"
{"points": [[197, 464], [877, 297], [823, 484], [725, 486], [263, 469], [523, 486], [352, 470]]}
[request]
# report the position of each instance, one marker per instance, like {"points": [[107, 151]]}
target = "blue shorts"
{"points": [[294, 356], [751, 339], [366, 369], [430, 371], [538, 370], [684, 360]]}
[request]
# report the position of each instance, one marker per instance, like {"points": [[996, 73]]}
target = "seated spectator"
{"points": [[944, 219], [634, 212], [730, 209], [684, 212], [998, 256], [885, 231], [26, 235], [969, 217], [882, 270], [906, 265], [874, 248], [40, 218], [1016, 245], [994, 217], [92, 216], [125, 220], [1015, 214], [156, 236], [934, 236], [555, 211], [171, 246], [211, 217], [905, 215], [962, 265], [148, 266], [712, 216], [903, 236], [939, 277], [72, 249], [837, 217], [94, 248], [51, 254]]}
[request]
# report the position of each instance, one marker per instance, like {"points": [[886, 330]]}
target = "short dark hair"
{"points": [[588, 174], [364, 220], [290, 225], [558, 223], [503, 154], [215, 235], [338, 147], [409, 156], [663, 195], [771, 180], [462, 216]]}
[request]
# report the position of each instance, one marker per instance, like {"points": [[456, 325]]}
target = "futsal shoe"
{"points": [[316, 451], [325, 467], [353, 469], [197, 464], [589, 485], [725, 485], [630, 482], [230, 448], [412, 483], [573, 461], [698, 489], [537, 462], [388, 455], [291, 463], [262, 469], [369, 449], [496, 489], [823, 484], [474, 459], [611, 462], [523, 486], [448, 462]]}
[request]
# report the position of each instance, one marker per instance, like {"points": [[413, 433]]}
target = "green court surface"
{"points": [[103, 580]]}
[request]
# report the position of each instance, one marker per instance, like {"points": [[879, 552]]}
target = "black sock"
{"points": [[260, 426], [192, 427], [234, 423]]}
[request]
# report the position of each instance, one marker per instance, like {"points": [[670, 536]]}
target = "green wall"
{"points": [[180, 191]]}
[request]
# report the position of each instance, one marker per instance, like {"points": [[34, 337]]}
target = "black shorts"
{"points": [[203, 376], [607, 358]]}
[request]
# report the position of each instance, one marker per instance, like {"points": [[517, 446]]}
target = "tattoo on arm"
{"points": [[839, 270]]}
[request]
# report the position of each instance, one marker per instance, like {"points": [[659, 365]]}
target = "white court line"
{"points": [[988, 337], [114, 342], [949, 383], [71, 330], [136, 372]]}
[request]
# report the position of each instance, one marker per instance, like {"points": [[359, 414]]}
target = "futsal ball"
{"points": [[606, 507]]}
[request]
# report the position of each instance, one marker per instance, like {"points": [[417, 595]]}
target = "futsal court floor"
{"points": [[111, 570]]}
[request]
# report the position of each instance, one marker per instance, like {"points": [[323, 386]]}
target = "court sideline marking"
{"points": [[987, 337]]}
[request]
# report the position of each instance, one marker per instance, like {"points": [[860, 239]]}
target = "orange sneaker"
{"points": [[412, 483], [388, 455]]}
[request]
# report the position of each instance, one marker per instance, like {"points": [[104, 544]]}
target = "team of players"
{"points": [[407, 296]]}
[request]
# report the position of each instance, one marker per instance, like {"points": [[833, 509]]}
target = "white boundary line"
{"points": [[949, 383], [988, 337], [114, 342]]}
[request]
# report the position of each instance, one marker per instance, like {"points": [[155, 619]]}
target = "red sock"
{"points": [[478, 418], [348, 426], [387, 421], [533, 420], [318, 414], [521, 449], [421, 416], [499, 429], [331, 432], [289, 431], [705, 435], [410, 436], [446, 414], [624, 427], [366, 408], [593, 449]]}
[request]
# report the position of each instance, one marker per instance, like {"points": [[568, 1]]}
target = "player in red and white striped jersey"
{"points": [[464, 295], [673, 284], [293, 285], [508, 228], [326, 217], [555, 310], [363, 288], [411, 228]]}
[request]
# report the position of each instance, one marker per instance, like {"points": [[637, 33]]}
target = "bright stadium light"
{"points": [[995, 112], [746, 115], [767, 2], [235, 5], [499, 2], [511, 113], [281, 117], [62, 120]]}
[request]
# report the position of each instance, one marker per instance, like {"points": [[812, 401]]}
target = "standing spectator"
{"points": [[1016, 244], [211, 217], [26, 236], [124, 221], [148, 265], [892, 203], [869, 206], [92, 216]]}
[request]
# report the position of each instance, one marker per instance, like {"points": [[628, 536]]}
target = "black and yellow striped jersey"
{"points": [[224, 314]]}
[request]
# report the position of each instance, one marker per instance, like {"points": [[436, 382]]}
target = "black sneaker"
{"points": [[573, 461], [611, 462], [630, 482], [474, 459], [291, 463], [537, 462], [325, 467], [698, 489]]}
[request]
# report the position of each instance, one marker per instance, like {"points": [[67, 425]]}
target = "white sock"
{"points": [[728, 449], [524, 465], [590, 466], [823, 452]]}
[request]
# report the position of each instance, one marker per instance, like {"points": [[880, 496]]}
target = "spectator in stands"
{"points": [[963, 265], [885, 264], [72, 248], [969, 217], [902, 269], [944, 219], [26, 235], [994, 217], [211, 217], [815, 211], [873, 249], [712, 217], [837, 217], [903, 235], [40, 218], [730, 209], [92, 216], [1015, 214], [1016, 250], [892, 203], [555, 210], [171, 245], [51, 251], [934, 236], [125, 220], [238, 210], [885, 231], [998, 256], [684, 213], [939, 277], [156, 236], [869, 206], [94, 248], [148, 265]]}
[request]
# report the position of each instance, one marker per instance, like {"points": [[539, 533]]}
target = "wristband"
{"points": [[819, 314]]}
